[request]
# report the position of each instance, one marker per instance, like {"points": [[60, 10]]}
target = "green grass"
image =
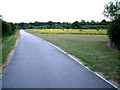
{"points": [[7, 45], [91, 49]]}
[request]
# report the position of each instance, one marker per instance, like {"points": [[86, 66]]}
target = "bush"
{"points": [[75, 25], [13, 26], [114, 32], [6, 29]]}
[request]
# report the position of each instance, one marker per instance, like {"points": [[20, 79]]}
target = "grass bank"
{"points": [[91, 49], [7, 45]]}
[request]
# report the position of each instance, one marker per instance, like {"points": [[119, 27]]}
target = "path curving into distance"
{"points": [[38, 64]]}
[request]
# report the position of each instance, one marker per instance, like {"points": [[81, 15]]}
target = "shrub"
{"points": [[114, 32], [6, 29]]}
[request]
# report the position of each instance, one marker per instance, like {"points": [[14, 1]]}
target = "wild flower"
{"points": [[70, 31]]}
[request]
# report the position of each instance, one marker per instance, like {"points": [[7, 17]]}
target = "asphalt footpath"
{"points": [[38, 64]]}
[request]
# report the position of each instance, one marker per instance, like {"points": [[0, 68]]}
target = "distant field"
{"points": [[91, 49], [70, 31]]}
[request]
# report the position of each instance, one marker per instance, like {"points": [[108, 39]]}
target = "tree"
{"points": [[36, 23], [6, 29], [114, 32], [92, 22], [103, 22], [82, 22], [112, 11], [13, 27], [75, 25], [50, 23]]}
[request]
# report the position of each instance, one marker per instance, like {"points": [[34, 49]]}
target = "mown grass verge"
{"points": [[91, 49], [7, 45]]}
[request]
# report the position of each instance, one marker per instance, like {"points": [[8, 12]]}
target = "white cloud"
{"points": [[54, 10]]}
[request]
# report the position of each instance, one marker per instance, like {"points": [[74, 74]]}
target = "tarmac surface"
{"points": [[38, 64]]}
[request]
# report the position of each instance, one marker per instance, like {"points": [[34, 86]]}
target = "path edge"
{"points": [[10, 55], [74, 58]]}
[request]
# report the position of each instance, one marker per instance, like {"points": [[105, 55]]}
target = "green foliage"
{"points": [[82, 22], [97, 29], [6, 29], [112, 11], [92, 22], [64, 25], [103, 22], [13, 27], [114, 32], [76, 25], [41, 27], [50, 23]]}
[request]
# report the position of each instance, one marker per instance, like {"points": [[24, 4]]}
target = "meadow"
{"points": [[91, 49]]}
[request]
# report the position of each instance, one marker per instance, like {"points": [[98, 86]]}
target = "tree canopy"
{"points": [[64, 25], [112, 11]]}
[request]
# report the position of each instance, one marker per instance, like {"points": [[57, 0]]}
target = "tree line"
{"points": [[8, 28], [64, 25]]}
